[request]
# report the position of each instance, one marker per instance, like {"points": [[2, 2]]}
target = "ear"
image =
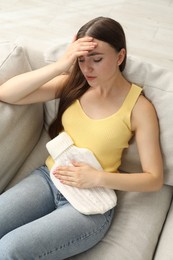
{"points": [[121, 56]]}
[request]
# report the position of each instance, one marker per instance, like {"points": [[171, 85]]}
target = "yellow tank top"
{"points": [[107, 137]]}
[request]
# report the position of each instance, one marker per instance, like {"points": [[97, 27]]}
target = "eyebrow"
{"points": [[94, 54]]}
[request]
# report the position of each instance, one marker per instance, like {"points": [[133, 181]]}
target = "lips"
{"points": [[90, 77]]}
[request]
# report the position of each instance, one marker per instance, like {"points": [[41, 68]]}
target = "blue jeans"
{"points": [[37, 222]]}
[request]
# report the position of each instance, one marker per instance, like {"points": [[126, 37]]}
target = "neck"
{"points": [[115, 85]]}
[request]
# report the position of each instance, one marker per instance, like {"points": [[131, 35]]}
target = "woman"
{"points": [[101, 111]]}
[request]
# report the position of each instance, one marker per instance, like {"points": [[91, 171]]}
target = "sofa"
{"points": [[142, 228]]}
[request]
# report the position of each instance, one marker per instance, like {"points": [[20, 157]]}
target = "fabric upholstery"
{"points": [[20, 125], [158, 88], [34, 160], [136, 227], [164, 249]]}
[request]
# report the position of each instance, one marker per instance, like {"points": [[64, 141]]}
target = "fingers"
{"points": [[85, 39], [83, 45], [66, 177], [64, 172], [77, 48], [86, 44]]}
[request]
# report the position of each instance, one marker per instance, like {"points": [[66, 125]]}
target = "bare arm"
{"points": [[145, 124], [42, 84], [35, 86]]}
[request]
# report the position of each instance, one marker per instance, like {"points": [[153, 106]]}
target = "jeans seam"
{"points": [[73, 241]]}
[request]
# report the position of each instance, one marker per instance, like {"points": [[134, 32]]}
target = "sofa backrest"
{"points": [[157, 84]]}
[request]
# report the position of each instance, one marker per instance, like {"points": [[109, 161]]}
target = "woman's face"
{"points": [[101, 65]]}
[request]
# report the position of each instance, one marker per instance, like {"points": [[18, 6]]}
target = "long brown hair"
{"points": [[103, 29]]}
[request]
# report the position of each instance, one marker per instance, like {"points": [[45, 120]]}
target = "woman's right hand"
{"points": [[77, 48]]}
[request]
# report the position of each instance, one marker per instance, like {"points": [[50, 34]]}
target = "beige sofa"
{"points": [[143, 225]]}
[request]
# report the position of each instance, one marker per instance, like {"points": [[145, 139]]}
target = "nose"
{"points": [[88, 67]]}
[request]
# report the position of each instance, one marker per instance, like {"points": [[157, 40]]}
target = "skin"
{"points": [[99, 63]]}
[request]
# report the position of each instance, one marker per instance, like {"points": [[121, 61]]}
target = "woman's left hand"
{"points": [[79, 175]]}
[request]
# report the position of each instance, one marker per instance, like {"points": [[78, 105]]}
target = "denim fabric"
{"points": [[37, 222]]}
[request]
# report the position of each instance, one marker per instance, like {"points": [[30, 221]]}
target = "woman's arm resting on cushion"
{"points": [[31, 87]]}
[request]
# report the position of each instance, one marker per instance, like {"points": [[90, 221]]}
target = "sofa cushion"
{"points": [[158, 88], [35, 159], [50, 112], [135, 230], [20, 125], [34, 50], [164, 249]]}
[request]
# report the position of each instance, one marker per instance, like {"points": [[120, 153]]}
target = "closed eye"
{"points": [[98, 60], [80, 60]]}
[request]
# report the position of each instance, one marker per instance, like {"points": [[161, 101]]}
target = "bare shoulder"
{"points": [[144, 112], [144, 104]]}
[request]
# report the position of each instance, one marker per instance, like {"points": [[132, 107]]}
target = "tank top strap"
{"points": [[129, 104], [132, 97]]}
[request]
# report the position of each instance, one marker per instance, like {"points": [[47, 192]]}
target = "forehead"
{"points": [[102, 48], [101, 44]]}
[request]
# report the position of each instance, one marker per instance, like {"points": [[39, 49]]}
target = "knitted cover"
{"points": [[87, 201]]}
